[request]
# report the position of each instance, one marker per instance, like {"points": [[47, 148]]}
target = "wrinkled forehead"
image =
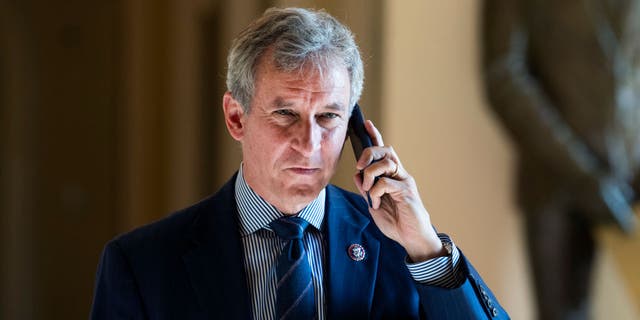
{"points": [[324, 77], [314, 64]]}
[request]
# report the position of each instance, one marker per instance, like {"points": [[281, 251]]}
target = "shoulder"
{"points": [[355, 206], [163, 233], [179, 228], [347, 198], [347, 201]]}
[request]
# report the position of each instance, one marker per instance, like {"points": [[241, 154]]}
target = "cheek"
{"points": [[266, 142], [333, 142], [275, 141]]}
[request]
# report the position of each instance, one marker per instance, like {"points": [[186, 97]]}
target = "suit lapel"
{"points": [[215, 263], [350, 283]]}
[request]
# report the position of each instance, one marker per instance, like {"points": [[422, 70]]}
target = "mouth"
{"points": [[304, 171]]}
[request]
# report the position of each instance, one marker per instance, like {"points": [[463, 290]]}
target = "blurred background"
{"points": [[110, 118]]}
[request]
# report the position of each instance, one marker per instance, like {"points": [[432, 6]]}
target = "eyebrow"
{"points": [[281, 103], [335, 106]]}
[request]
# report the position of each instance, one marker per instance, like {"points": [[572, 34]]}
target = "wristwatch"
{"points": [[447, 243]]}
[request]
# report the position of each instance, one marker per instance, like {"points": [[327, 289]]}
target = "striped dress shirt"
{"points": [[262, 248]]}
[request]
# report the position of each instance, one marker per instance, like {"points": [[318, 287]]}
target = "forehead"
{"points": [[326, 77]]}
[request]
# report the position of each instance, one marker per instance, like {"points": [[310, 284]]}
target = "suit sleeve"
{"points": [[470, 300], [116, 293]]}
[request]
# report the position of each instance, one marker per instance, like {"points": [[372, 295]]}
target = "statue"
{"points": [[564, 79]]}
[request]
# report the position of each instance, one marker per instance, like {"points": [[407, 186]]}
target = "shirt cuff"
{"points": [[440, 271]]}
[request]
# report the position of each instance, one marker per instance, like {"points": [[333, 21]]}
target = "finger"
{"points": [[384, 186], [398, 172], [380, 216], [374, 133], [357, 179], [384, 167], [372, 154]]}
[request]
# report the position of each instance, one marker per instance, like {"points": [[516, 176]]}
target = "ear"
{"points": [[233, 114]]}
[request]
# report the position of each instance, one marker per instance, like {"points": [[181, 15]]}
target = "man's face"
{"points": [[293, 135]]}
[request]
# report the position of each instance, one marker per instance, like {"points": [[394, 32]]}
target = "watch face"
{"points": [[446, 242], [447, 246]]}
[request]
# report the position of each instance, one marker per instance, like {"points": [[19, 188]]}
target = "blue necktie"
{"points": [[295, 297]]}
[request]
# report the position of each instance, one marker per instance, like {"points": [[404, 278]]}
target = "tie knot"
{"points": [[289, 228]]}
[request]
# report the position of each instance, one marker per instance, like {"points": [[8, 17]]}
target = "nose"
{"points": [[307, 138]]}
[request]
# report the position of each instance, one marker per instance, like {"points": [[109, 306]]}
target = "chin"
{"points": [[306, 192]]}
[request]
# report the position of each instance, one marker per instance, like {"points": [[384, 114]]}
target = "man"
{"points": [[564, 78], [277, 241]]}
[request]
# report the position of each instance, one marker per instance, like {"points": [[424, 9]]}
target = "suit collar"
{"points": [[350, 283], [216, 257]]}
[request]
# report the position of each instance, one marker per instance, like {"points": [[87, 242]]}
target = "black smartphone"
{"points": [[359, 137]]}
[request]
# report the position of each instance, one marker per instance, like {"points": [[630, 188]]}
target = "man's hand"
{"points": [[396, 205]]}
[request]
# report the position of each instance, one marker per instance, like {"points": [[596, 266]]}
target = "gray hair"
{"points": [[297, 36]]}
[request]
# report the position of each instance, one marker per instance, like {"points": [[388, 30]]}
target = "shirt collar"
{"points": [[256, 213]]}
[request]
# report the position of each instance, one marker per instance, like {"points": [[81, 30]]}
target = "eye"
{"points": [[284, 112], [284, 117], [287, 113], [329, 115], [329, 119]]}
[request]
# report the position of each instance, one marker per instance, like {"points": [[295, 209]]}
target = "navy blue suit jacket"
{"points": [[190, 266]]}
